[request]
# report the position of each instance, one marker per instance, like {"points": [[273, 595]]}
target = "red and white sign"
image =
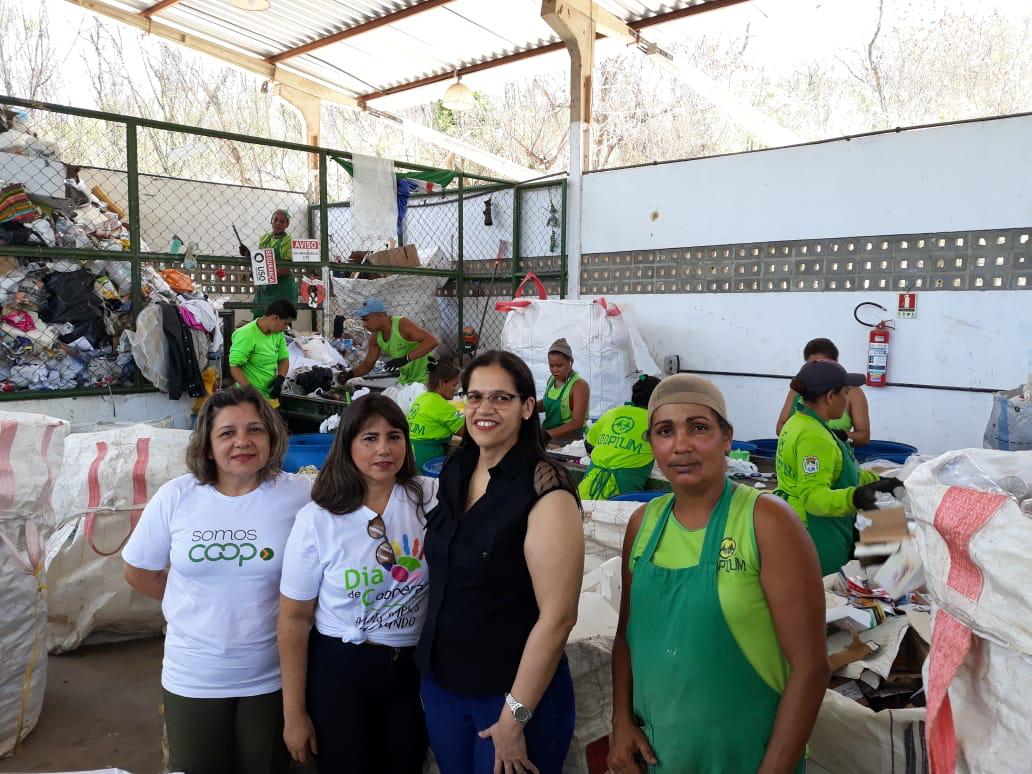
{"points": [[263, 267], [907, 306], [305, 250]]}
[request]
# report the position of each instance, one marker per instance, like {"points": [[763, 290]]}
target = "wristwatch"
{"points": [[519, 711]]}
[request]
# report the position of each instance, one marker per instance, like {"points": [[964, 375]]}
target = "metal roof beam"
{"points": [[358, 29], [158, 8], [223, 53], [488, 64]]}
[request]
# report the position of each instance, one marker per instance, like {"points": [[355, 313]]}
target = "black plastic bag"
{"points": [[70, 298]]}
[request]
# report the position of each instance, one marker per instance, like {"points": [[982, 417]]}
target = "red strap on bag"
{"points": [[139, 491], [518, 302]]}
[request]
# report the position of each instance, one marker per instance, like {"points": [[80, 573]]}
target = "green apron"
{"points": [[604, 482], [704, 708], [557, 405], [398, 346], [285, 287], [424, 451], [833, 535]]}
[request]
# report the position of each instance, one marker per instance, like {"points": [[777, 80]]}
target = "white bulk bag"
{"points": [[31, 446], [974, 540], [107, 479], [608, 350]]}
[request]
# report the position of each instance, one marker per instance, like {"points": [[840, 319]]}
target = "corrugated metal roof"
{"points": [[445, 37]]}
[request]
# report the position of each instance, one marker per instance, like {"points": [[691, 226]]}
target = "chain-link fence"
{"points": [[122, 244]]}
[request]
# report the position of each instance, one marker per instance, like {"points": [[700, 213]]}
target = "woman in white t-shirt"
{"points": [[354, 562], [209, 545]]}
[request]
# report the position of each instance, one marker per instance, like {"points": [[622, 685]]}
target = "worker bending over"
{"points": [[621, 455], [397, 338], [432, 419]]}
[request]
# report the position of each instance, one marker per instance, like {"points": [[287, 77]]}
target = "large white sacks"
{"points": [[608, 350], [31, 446], [107, 479], [974, 541]]}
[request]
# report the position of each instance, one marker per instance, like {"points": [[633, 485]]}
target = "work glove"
{"points": [[395, 363], [245, 252], [842, 435], [276, 388], [343, 377], [864, 497]]}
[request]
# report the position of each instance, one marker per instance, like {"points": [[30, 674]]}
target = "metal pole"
{"points": [[324, 240], [564, 258], [460, 284], [132, 166], [517, 226]]}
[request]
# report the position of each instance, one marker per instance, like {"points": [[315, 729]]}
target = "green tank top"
{"points": [[557, 402], [398, 346], [621, 459], [844, 422], [738, 577]]}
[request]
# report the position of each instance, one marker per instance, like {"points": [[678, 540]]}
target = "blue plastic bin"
{"points": [[748, 446], [307, 449], [639, 497], [765, 447], [884, 450], [432, 468]]}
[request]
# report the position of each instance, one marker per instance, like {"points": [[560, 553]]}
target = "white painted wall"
{"points": [[101, 408], [964, 177], [950, 178]]}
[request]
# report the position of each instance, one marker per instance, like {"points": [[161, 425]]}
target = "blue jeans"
{"points": [[454, 722]]}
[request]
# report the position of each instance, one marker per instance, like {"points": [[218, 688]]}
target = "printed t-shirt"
{"points": [[258, 354], [432, 418], [224, 556], [370, 585]]}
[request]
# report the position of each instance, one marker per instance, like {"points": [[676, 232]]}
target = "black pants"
{"points": [[364, 703], [226, 736]]}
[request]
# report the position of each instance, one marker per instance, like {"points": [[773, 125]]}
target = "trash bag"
{"points": [[70, 299], [318, 378]]}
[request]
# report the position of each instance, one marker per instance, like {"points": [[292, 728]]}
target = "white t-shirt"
{"points": [[224, 556], [360, 597]]}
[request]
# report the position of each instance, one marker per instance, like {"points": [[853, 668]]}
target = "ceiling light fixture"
{"points": [[250, 5], [458, 96]]}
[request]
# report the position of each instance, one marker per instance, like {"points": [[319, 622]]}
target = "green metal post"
{"points": [[132, 167], [460, 284], [324, 239], [562, 236], [517, 210]]}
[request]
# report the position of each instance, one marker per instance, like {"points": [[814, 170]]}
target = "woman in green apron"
{"points": [[279, 240], [719, 662], [817, 472], [854, 425], [403, 344], [566, 396], [432, 419], [621, 456]]}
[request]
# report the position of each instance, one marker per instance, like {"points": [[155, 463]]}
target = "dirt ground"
{"points": [[100, 710]]}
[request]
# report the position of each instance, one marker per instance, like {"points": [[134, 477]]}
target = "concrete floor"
{"points": [[100, 710]]}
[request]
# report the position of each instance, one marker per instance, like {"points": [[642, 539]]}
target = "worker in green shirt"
{"points": [[621, 455], [258, 354], [279, 241], [401, 341], [855, 423], [432, 419], [817, 472], [567, 396]]}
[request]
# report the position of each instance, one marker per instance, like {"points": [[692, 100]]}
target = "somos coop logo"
{"points": [[227, 545]]}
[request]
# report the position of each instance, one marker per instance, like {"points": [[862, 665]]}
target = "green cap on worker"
{"points": [[687, 388], [371, 306]]}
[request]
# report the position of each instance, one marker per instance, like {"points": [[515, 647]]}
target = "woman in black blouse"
{"points": [[506, 553]]}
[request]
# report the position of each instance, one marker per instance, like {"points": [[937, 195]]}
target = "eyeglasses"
{"points": [[496, 399], [377, 530]]}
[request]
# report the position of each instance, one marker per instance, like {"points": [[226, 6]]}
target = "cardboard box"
{"points": [[888, 525], [397, 256]]}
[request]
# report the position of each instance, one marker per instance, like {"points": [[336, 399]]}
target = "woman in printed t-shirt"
{"points": [[210, 546], [355, 562]]}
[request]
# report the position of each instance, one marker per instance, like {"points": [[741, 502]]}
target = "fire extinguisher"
{"points": [[877, 347]]}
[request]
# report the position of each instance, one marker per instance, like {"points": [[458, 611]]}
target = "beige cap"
{"points": [[562, 346], [687, 388]]}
